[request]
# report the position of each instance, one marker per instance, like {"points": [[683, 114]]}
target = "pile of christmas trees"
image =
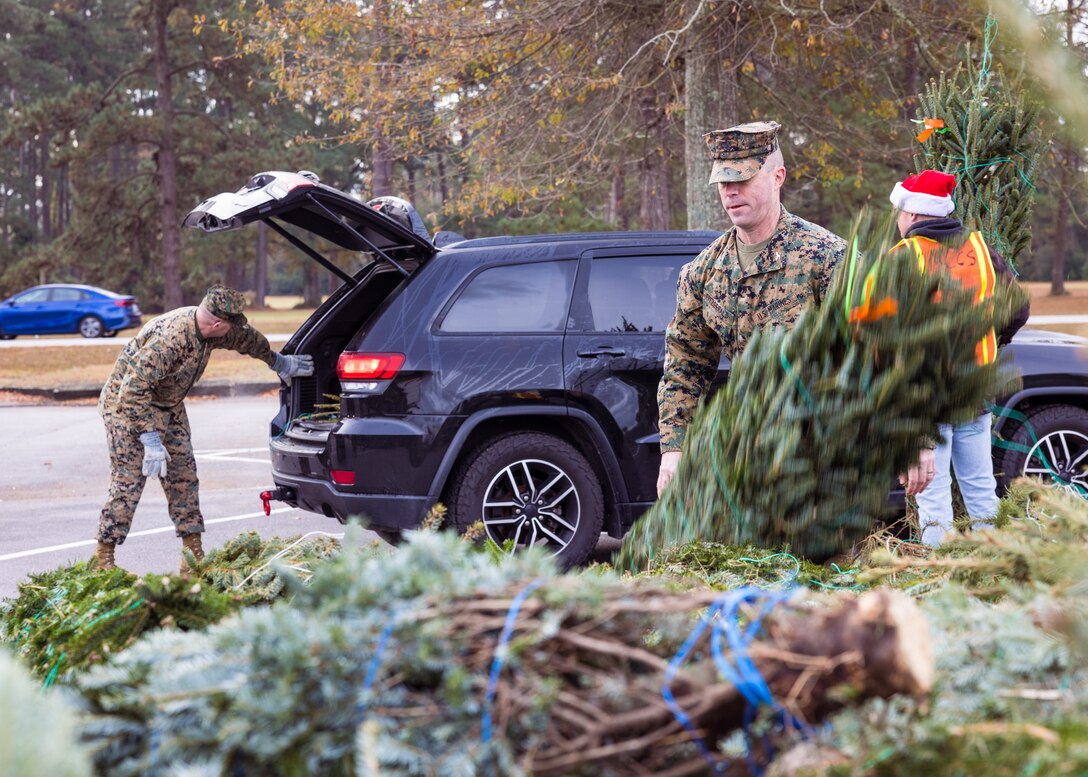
{"points": [[442, 659], [439, 659], [73, 617]]}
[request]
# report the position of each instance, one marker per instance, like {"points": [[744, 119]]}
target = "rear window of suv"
{"points": [[514, 298], [633, 293]]}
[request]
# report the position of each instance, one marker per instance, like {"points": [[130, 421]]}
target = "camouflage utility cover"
{"points": [[226, 304], [719, 305], [739, 152], [158, 366]]}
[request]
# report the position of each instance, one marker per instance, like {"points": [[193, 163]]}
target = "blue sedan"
{"points": [[67, 308]]}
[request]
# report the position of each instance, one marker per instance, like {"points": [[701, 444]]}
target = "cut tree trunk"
{"points": [[815, 661]]}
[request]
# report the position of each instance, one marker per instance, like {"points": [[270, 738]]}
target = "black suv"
{"points": [[512, 379]]}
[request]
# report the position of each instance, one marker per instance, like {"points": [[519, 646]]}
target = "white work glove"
{"points": [[292, 366], [155, 455]]}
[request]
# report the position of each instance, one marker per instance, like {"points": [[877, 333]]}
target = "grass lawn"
{"points": [[78, 366], [1071, 304]]}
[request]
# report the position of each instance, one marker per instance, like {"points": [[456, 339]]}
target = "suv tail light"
{"points": [[343, 477], [368, 366]]}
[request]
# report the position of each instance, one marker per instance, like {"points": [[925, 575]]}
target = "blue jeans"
{"points": [[967, 449]]}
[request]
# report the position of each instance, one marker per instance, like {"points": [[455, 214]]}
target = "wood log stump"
{"points": [[814, 661]]}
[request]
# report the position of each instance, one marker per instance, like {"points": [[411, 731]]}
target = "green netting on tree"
{"points": [[801, 446]]}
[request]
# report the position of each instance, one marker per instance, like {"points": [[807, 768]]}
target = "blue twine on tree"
{"points": [[670, 673], [500, 652], [153, 750], [743, 672], [724, 617], [375, 662]]}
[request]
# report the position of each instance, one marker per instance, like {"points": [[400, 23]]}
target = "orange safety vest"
{"points": [[970, 266]]}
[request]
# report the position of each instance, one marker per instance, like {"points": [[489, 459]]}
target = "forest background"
{"points": [[506, 116]]}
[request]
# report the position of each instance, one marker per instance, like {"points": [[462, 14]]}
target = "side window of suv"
{"points": [[633, 293], [514, 298]]}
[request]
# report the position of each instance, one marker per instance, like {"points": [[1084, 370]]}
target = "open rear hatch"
{"points": [[380, 253], [301, 200]]}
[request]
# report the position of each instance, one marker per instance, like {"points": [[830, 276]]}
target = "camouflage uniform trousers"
{"points": [[127, 479]]}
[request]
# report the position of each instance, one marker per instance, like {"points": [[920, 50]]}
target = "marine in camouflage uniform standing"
{"points": [[760, 274], [142, 405]]}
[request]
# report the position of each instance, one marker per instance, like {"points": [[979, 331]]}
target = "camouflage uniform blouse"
{"points": [[156, 369], [718, 306]]}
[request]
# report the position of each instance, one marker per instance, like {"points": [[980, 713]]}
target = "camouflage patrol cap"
{"points": [[739, 152], [226, 304]]}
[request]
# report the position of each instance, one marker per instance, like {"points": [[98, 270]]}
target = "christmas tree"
{"points": [[801, 446], [983, 129]]}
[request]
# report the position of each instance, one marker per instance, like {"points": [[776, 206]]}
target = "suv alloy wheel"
{"points": [[1058, 449], [531, 489]]}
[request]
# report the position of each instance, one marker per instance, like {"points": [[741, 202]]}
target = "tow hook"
{"points": [[279, 494]]}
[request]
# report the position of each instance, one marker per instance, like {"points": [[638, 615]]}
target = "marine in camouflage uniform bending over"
{"points": [[759, 274], [143, 407]]}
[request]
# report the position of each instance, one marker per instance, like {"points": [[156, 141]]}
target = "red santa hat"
{"points": [[929, 193]]}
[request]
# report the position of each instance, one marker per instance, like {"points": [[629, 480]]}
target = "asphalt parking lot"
{"points": [[56, 472]]}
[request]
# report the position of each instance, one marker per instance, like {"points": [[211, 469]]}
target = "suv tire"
{"points": [[1061, 434], [531, 488]]}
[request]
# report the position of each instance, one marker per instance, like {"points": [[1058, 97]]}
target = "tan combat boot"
{"points": [[190, 542], [103, 557]]}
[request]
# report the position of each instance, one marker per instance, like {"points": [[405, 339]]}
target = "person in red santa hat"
{"points": [[940, 242]]}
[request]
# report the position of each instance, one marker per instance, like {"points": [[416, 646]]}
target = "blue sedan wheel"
{"points": [[91, 326]]}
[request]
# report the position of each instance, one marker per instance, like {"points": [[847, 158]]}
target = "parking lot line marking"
{"points": [[229, 451], [230, 454], [230, 458], [143, 533]]}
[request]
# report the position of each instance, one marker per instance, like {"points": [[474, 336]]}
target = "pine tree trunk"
{"points": [[910, 78], [166, 163], [653, 187], [1061, 225], [47, 191], [443, 184], [236, 275], [710, 103], [260, 277], [311, 291], [32, 189], [382, 180], [617, 214], [64, 200], [1065, 187], [653, 212]]}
